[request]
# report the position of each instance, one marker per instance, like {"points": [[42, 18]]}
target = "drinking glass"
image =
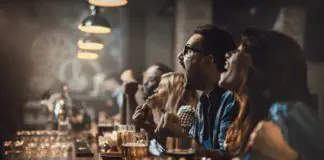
{"points": [[123, 131], [135, 145], [40, 144], [180, 147]]}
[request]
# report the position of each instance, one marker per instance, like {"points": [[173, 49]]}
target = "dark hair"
{"points": [[163, 68], [280, 65], [217, 42], [279, 74]]}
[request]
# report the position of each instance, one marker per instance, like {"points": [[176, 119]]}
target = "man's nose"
{"points": [[180, 58]]}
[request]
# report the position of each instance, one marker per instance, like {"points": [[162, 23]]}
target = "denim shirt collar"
{"points": [[207, 99], [209, 105]]}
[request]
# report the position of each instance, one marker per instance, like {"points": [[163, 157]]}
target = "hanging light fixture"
{"points": [[87, 55], [90, 42], [94, 23], [108, 3]]}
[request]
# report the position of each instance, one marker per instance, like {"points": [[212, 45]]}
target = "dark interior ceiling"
{"points": [[234, 2], [150, 6]]}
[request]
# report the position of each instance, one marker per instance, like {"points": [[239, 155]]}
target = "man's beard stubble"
{"points": [[148, 91]]}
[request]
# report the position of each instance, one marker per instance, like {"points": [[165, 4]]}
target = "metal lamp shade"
{"points": [[90, 42], [95, 24], [87, 55], [108, 3]]}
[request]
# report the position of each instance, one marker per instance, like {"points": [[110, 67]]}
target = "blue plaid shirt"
{"points": [[214, 115]]}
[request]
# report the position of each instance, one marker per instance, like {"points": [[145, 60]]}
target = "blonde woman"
{"points": [[169, 97]]}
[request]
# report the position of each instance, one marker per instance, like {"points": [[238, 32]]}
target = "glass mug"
{"points": [[180, 147], [123, 131], [134, 144]]}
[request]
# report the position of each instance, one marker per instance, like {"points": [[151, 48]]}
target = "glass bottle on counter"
{"points": [[60, 118]]}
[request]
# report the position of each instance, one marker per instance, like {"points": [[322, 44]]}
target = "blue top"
{"points": [[301, 127], [214, 114]]}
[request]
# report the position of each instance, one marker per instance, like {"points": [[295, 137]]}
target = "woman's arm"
{"points": [[267, 141]]}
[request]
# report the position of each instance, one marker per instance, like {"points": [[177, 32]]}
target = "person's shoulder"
{"points": [[284, 108]]}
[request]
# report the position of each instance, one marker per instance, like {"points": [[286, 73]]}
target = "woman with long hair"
{"points": [[269, 74], [169, 97]]}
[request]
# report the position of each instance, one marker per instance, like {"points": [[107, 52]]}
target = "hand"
{"points": [[268, 140], [156, 101], [140, 114], [130, 88], [170, 123]]}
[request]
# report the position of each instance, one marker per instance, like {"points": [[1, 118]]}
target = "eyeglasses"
{"points": [[187, 48]]}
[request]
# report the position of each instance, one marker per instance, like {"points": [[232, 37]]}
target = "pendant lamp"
{"points": [[90, 42], [87, 55], [94, 23], [108, 3]]}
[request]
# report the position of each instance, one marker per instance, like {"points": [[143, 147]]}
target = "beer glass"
{"points": [[180, 147], [135, 145]]}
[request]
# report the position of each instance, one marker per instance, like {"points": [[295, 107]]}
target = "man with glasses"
{"points": [[203, 59]]}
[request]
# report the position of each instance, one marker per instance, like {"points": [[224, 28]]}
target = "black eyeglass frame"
{"points": [[187, 48]]}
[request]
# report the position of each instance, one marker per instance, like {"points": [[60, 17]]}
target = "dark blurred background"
{"points": [[38, 44]]}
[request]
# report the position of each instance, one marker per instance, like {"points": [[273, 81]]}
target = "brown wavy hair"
{"points": [[279, 73]]}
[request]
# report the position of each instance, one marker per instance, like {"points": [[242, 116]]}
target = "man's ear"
{"points": [[207, 61]]}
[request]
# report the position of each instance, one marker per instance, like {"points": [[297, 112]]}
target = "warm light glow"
{"points": [[108, 3], [87, 55], [61, 102], [90, 45], [95, 29]]}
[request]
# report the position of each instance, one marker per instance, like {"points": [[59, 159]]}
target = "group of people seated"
{"points": [[249, 100]]}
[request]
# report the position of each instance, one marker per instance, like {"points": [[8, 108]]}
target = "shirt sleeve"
{"points": [[193, 129], [301, 127], [229, 115]]}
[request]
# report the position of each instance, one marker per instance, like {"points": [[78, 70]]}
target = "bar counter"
{"points": [[58, 145]]}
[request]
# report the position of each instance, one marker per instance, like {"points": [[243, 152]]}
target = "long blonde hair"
{"points": [[174, 84]]}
